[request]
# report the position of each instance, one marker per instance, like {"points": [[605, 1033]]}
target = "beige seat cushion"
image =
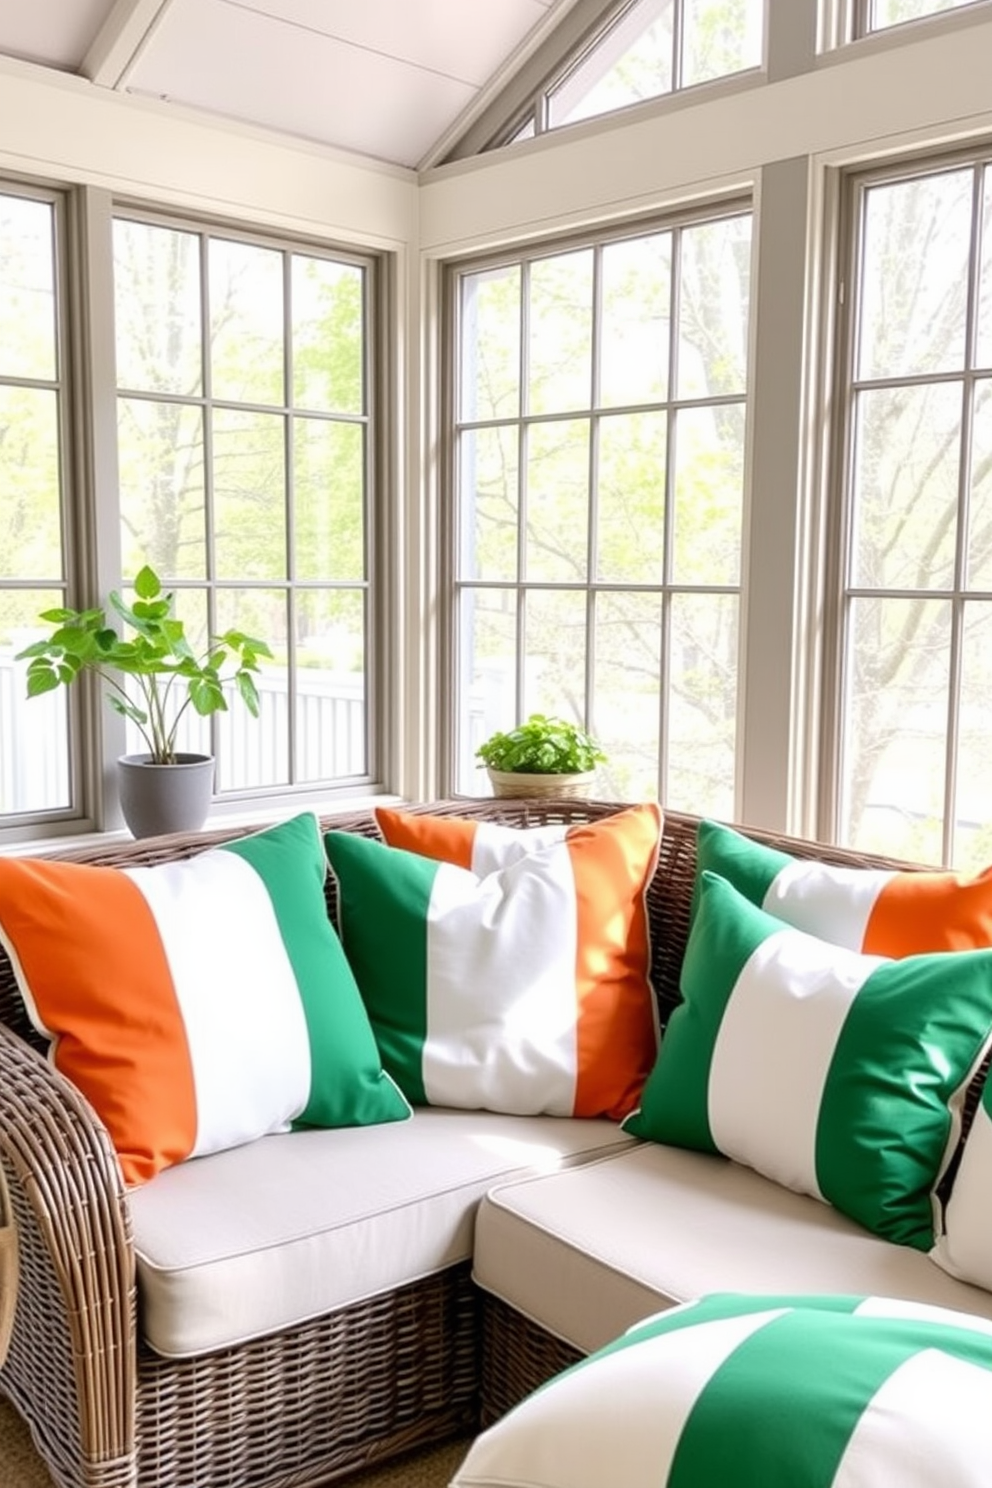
{"points": [[289, 1227], [588, 1252]]}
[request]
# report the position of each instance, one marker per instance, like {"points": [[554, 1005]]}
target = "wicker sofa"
{"points": [[415, 1361]]}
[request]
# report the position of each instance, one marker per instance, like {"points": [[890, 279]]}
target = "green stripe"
{"points": [[773, 1413], [384, 894], [347, 1086], [750, 866], [910, 1041], [724, 935]]}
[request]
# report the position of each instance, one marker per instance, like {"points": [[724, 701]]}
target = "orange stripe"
{"points": [[613, 861], [91, 955], [447, 839], [918, 912]]}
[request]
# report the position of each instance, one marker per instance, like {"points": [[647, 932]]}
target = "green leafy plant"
{"points": [[541, 746], [159, 658]]}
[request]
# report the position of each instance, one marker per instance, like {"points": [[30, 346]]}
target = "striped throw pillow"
{"points": [[833, 1073], [765, 1392], [965, 1246], [522, 990], [876, 910], [197, 1004], [484, 846]]}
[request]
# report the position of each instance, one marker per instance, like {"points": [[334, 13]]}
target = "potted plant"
{"points": [[544, 756], [164, 789]]}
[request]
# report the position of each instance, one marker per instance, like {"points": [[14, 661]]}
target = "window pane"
{"points": [[254, 752], [27, 289], [983, 355], [247, 351], [917, 236], [34, 732], [157, 309], [30, 484], [626, 688], [906, 486], [973, 817], [632, 62], [714, 303], [636, 328], [329, 471], [490, 502], [893, 12], [249, 494], [330, 693], [555, 654], [630, 518], [328, 336], [490, 362], [980, 514], [702, 731], [163, 511], [893, 768], [709, 494], [558, 501], [721, 37], [560, 343], [487, 635]]}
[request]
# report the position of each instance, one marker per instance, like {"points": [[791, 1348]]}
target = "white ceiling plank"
{"points": [[120, 40], [244, 65], [52, 32], [434, 34]]}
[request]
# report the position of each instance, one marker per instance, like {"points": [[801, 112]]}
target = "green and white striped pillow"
{"points": [[834, 1073], [760, 1392]]}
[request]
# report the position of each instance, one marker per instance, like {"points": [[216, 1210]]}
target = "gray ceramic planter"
{"points": [[156, 799]]}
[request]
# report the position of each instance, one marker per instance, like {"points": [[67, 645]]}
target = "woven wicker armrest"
{"points": [[75, 1307]]}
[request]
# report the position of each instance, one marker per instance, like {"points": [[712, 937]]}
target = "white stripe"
{"points": [[965, 1248], [615, 1421], [833, 903], [773, 1050], [924, 1312], [928, 1426], [490, 1044], [245, 1025], [495, 846]]}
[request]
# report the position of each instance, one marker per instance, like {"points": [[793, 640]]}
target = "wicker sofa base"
{"points": [[517, 1356], [300, 1408]]}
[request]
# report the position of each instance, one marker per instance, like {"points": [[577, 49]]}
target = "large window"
{"points": [[244, 450], [915, 659], [644, 50], [34, 741], [597, 479], [243, 422]]}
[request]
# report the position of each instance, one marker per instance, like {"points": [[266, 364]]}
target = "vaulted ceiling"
{"points": [[390, 79]]}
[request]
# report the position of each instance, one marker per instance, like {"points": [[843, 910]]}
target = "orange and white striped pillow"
{"points": [[519, 983], [198, 1004]]}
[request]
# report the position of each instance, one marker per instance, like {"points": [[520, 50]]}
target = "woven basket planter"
{"points": [[516, 783]]}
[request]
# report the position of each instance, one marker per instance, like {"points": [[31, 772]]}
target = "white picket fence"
{"points": [[330, 737]]}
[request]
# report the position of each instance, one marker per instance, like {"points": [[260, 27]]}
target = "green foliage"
{"points": [[159, 658], [541, 746]]}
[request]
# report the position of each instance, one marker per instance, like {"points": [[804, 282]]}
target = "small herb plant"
{"points": [[541, 746], [159, 657]]}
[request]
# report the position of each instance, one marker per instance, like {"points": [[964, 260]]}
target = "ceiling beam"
{"points": [[120, 40]]}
